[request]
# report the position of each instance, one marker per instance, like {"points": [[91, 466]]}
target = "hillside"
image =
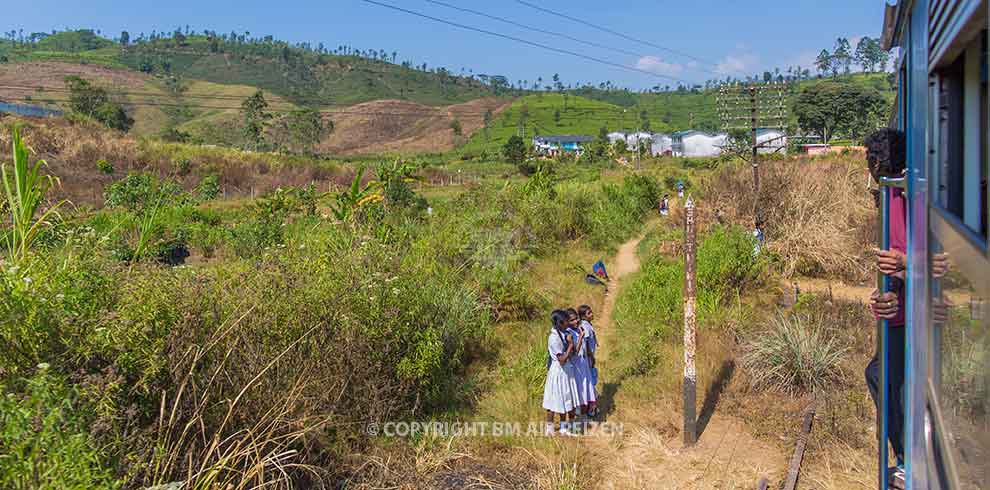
{"points": [[304, 76], [195, 84], [624, 111]]}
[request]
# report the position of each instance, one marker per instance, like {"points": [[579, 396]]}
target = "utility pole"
{"points": [[752, 107], [690, 332]]}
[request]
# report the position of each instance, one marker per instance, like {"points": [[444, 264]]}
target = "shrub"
{"points": [[726, 262], [794, 354], [139, 191], [181, 166], [208, 188], [44, 444], [104, 166]]}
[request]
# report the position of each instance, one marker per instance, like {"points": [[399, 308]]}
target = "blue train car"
{"points": [[942, 108]]}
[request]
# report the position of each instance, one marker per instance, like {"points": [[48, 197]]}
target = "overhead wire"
{"points": [[619, 34], [537, 29], [525, 41]]}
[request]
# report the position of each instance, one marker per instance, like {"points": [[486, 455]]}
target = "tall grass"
{"points": [[794, 354], [25, 189], [819, 214]]}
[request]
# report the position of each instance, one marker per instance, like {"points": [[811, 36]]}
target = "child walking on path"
{"points": [[590, 346], [560, 393]]}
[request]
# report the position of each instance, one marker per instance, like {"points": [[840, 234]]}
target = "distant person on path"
{"points": [[758, 236], [680, 189], [560, 389], [885, 156], [591, 346], [665, 205]]}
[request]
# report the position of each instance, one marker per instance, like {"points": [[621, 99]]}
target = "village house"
{"points": [[554, 145], [662, 145], [633, 139], [693, 143], [616, 136], [771, 141]]}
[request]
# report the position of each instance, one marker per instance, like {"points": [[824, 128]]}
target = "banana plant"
{"points": [[24, 191], [356, 196]]}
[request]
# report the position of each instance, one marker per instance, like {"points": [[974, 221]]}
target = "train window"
{"points": [[959, 374], [961, 144]]}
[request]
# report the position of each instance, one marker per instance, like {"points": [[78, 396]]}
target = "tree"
{"points": [[125, 38], [644, 120], [515, 149], [253, 110], [455, 126], [91, 101], [823, 62], [556, 116], [830, 107], [488, 121], [602, 144], [842, 55], [300, 131]]}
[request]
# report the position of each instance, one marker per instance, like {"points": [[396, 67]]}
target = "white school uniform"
{"points": [[560, 390], [586, 382]]}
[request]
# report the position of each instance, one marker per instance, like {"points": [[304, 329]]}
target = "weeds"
{"points": [[793, 355]]}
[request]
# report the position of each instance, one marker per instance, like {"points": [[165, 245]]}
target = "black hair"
{"points": [[583, 311], [573, 312], [558, 318], [885, 152]]}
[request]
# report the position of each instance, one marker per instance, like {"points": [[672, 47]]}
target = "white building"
{"points": [[662, 145], [771, 141], [692, 143], [554, 145], [633, 139], [615, 136]]}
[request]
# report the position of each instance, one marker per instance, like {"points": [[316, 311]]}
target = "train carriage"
{"points": [[942, 108]]}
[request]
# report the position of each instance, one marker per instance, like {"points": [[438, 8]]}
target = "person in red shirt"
{"points": [[885, 155]]}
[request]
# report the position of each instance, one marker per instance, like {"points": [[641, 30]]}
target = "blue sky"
{"points": [[729, 36]]}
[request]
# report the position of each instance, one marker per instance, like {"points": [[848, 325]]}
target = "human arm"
{"points": [[884, 305]]}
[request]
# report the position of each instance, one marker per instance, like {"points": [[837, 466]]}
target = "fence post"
{"points": [[690, 375]]}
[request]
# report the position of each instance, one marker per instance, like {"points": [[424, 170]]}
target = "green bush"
{"points": [[104, 166], [726, 264], [208, 188], [44, 442], [139, 191]]}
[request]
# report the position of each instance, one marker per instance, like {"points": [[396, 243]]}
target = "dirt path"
{"points": [[648, 453], [855, 293]]}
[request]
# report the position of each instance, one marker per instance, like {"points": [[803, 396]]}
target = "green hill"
{"points": [[302, 75], [548, 113]]}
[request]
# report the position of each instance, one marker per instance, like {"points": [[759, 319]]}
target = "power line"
{"points": [[524, 41], [537, 29], [617, 33]]}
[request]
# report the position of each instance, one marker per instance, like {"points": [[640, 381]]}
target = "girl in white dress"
{"points": [[591, 346], [582, 371], [560, 390]]}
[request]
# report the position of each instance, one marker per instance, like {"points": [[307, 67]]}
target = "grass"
{"points": [[793, 354], [259, 366]]}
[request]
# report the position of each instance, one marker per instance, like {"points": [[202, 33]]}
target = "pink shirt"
{"points": [[898, 241]]}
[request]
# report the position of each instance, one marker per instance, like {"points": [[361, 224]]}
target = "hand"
{"points": [[940, 310], [890, 261], [940, 265], [884, 305]]}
